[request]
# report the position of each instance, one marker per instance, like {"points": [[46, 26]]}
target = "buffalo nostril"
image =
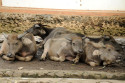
{"points": [[9, 55], [80, 51], [39, 53]]}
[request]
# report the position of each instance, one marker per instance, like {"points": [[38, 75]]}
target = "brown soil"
{"points": [[52, 65]]}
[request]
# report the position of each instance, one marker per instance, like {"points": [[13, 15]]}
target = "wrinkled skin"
{"points": [[22, 48], [61, 49], [95, 53]]}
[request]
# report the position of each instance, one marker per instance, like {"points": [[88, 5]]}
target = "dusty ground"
{"points": [[52, 65], [35, 64]]}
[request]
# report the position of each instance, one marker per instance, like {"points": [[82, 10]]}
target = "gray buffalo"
{"points": [[21, 47], [107, 39], [57, 32], [96, 53], [62, 48]]}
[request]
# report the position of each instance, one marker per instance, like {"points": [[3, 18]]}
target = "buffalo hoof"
{"points": [[93, 64], [41, 59], [75, 61]]}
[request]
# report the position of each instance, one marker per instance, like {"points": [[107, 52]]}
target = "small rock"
{"points": [[102, 68], [20, 68], [73, 64], [41, 68], [118, 61]]}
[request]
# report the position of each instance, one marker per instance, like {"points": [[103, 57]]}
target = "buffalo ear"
{"points": [[26, 41], [5, 35]]}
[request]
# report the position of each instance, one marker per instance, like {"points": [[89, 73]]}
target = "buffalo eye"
{"points": [[16, 43], [8, 43], [109, 49], [73, 44]]}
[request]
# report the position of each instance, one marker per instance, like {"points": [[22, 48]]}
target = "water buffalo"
{"points": [[21, 47], [56, 33], [62, 48], [96, 53], [39, 30], [107, 39], [59, 31]]}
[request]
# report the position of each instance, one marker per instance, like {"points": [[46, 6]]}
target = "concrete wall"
{"points": [[68, 4]]}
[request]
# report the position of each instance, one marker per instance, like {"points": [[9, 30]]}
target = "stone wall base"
{"points": [[88, 25]]}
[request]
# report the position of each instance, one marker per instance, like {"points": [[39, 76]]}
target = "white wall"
{"points": [[68, 4]]}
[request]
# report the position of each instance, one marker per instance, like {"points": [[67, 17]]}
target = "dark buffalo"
{"points": [[39, 30]]}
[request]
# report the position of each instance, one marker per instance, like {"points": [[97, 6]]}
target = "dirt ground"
{"points": [[35, 64], [52, 65]]}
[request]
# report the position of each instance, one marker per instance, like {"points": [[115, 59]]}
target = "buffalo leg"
{"points": [[7, 58], [61, 58], [20, 58], [76, 60], [27, 58], [69, 58], [60, 54], [54, 58], [46, 49], [106, 63], [63, 46], [91, 63]]}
